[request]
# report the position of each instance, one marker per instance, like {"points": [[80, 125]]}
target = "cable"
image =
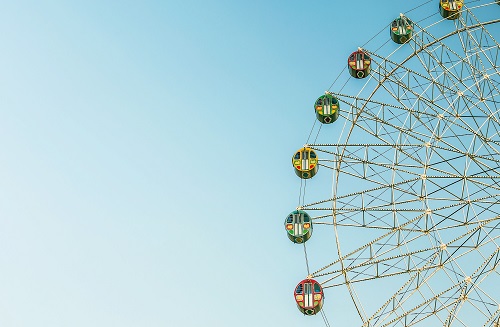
{"points": [[383, 45], [300, 193], [337, 78], [310, 133], [304, 193], [382, 30], [419, 6], [319, 130], [323, 315], [307, 261]]}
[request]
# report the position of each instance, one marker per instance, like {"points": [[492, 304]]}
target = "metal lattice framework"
{"points": [[416, 180]]}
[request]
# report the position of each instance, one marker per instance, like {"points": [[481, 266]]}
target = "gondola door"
{"points": [[305, 159], [298, 219], [308, 296]]}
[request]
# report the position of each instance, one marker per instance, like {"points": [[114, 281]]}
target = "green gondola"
{"points": [[401, 29], [327, 108], [450, 9], [305, 163], [298, 226]]}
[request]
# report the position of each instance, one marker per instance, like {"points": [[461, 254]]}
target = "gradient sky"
{"points": [[145, 157]]}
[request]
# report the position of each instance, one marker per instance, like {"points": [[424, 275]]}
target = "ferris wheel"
{"points": [[414, 173]]}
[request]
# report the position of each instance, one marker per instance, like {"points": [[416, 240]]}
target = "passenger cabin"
{"points": [[359, 63], [450, 9], [305, 163], [298, 226], [327, 108], [309, 297], [401, 29]]}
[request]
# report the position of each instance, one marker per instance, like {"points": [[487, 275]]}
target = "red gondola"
{"points": [[309, 297], [359, 64]]}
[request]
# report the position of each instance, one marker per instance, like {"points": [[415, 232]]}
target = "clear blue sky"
{"points": [[145, 156]]}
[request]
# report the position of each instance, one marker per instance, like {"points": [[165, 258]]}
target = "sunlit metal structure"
{"points": [[415, 175]]}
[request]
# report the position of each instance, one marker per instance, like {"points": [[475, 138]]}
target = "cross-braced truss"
{"points": [[420, 154]]}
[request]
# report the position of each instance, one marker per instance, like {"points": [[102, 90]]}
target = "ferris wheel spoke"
{"points": [[431, 104], [449, 79], [476, 39], [356, 209], [408, 81], [407, 296], [423, 47], [369, 111], [452, 307], [404, 239], [427, 48], [412, 152], [409, 132], [378, 267]]}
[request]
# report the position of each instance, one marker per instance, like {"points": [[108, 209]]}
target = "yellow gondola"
{"points": [[305, 163], [450, 9]]}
